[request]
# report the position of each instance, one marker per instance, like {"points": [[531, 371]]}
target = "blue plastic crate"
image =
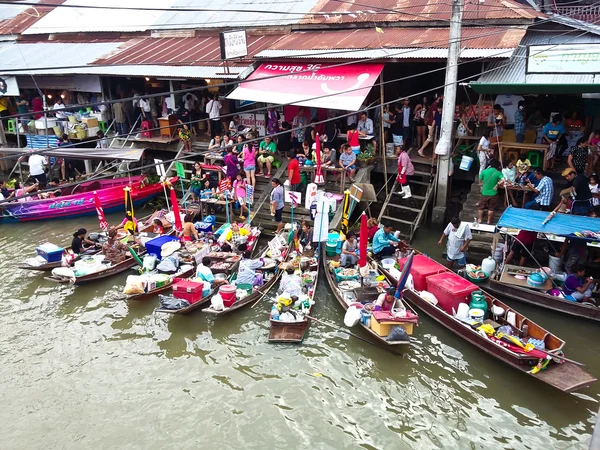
{"points": [[153, 246]]}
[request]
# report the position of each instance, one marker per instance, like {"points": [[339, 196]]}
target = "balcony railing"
{"points": [[582, 12]]}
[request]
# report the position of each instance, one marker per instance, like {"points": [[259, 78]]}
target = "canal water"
{"points": [[81, 368]]}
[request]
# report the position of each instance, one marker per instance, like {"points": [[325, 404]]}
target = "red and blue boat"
{"points": [[79, 200]]}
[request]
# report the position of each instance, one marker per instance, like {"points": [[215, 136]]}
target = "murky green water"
{"points": [[80, 368]]}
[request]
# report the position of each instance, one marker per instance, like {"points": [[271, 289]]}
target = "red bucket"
{"points": [[227, 293]]}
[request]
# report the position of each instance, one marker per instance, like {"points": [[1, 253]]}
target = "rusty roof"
{"points": [[472, 37], [27, 17], [196, 51], [336, 11]]}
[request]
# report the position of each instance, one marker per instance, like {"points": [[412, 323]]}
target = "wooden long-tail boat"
{"points": [[255, 295], [339, 296], [565, 226], [294, 332], [565, 376], [205, 301], [114, 269]]}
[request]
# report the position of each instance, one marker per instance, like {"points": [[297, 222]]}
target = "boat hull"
{"points": [[543, 300], [336, 293], [109, 192], [566, 377]]}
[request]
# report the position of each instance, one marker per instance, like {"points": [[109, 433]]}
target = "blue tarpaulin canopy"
{"points": [[561, 225]]}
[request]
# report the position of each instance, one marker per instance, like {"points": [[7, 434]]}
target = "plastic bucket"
{"points": [[555, 264], [227, 293], [331, 249], [465, 163], [389, 149]]}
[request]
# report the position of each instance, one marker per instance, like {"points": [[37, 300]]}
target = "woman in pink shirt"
{"points": [[249, 157], [405, 169], [239, 190]]}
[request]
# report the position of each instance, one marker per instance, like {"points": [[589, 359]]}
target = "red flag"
{"points": [[364, 239], [100, 211], [175, 206], [319, 179]]}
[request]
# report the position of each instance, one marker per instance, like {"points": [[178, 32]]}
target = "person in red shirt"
{"points": [[522, 246], [293, 171]]}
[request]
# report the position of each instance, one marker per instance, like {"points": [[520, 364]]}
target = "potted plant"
{"points": [[366, 157]]}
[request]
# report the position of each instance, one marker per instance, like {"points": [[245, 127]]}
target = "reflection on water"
{"points": [[80, 367]]}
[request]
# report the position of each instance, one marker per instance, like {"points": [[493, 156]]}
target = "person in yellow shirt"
{"points": [[233, 235], [4, 110]]}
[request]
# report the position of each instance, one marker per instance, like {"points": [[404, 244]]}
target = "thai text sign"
{"points": [[567, 58]]}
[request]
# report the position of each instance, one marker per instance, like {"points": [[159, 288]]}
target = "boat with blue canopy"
{"points": [[515, 281]]}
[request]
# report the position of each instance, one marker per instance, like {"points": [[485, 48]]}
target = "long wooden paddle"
{"points": [[353, 335]]}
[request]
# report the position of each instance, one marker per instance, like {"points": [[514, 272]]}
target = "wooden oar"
{"points": [[262, 294], [353, 335]]}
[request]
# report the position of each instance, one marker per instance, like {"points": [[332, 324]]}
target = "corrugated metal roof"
{"points": [[514, 72], [40, 58], [15, 19], [422, 10], [59, 58], [299, 43], [383, 53], [197, 51], [291, 12], [76, 20], [73, 20]]}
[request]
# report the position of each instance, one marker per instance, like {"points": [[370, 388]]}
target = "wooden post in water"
{"points": [[382, 134]]}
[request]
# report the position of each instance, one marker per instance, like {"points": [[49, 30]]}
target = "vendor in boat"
{"points": [[247, 270], [203, 271], [130, 223], [373, 226], [290, 282], [349, 257], [522, 246], [114, 250], [306, 235], [385, 301], [459, 238], [189, 232], [234, 234], [384, 242], [78, 244], [578, 287], [157, 227]]}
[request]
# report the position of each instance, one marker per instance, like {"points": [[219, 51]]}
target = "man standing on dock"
{"points": [[490, 178]]}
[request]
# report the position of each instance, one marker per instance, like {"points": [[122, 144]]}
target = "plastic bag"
{"points": [[134, 285], [170, 302], [169, 264], [64, 273], [217, 302], [428, 296], [352, 317], [410, 283], [149, 263], [397, 334]]}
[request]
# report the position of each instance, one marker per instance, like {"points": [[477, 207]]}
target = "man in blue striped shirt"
{"points": [[544, 191]]}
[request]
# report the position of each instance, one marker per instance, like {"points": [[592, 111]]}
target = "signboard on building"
{"points": [[254, 120], [233, 44], [564, 58]]}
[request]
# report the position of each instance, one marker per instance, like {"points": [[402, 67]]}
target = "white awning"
{"points": [[125, 154]]}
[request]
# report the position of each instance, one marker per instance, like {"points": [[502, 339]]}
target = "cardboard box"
{"points": [[90, 121], [91, 131]]}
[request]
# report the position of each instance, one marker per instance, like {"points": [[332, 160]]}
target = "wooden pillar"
{"points": [[382, 134]]}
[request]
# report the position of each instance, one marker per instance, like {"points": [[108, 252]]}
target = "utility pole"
{"points": [[444, 147]]}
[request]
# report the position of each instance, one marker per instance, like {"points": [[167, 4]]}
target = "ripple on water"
{"points": [[80, 367]]}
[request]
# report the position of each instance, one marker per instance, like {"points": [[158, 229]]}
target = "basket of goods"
{"points": [[346, 274]]}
